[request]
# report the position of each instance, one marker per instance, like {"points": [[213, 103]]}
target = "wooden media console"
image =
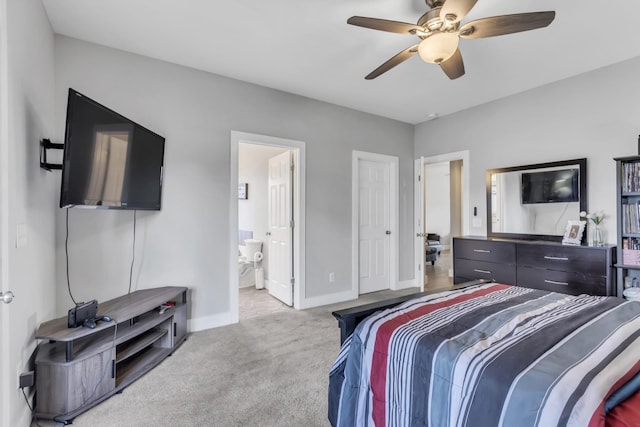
{"points": [[77, 368]]}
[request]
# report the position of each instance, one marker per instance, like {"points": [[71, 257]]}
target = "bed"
{"points": [[488, 354]]}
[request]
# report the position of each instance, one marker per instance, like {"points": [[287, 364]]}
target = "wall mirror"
{"points": [[535, 202]]}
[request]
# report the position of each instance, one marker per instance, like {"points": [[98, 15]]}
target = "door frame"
{"points": [[419, 184], [6, 389], [393, 163], [299, 185]]}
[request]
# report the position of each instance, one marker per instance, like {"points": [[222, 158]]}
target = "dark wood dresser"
{"points": [[542, 265]]}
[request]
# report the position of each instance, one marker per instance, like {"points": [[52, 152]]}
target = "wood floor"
{"points": [[437, 275]]}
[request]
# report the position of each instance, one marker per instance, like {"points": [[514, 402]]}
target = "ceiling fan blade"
{"points": [[384, 25], [397, 59], [506, 24], [453, 67], [457, 8]]}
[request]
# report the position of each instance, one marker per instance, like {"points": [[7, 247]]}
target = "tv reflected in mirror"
{"points": [[535, 201], [551, 186]]}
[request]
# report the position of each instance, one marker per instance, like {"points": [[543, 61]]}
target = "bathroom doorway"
{"points": [[254, 230], [268, 275]]}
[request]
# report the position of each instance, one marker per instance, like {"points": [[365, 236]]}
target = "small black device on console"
{"points": [[82, 312]]}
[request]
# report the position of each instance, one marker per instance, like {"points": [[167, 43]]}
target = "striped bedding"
{"points": [[487, 355]]}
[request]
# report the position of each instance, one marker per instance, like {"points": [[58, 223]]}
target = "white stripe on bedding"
{"points": [[587, 405]]}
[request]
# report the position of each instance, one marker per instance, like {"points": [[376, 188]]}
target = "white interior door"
{"points": [[280, 234], [374, 228], [419, 221]]}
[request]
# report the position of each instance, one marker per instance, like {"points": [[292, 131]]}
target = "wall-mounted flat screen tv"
{"points": [[554, 186], [109, 162]]}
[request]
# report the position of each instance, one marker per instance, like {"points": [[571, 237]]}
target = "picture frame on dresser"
{"points": [[573, 232]]}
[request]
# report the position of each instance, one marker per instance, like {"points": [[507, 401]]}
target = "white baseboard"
{"points": [[404, 284], [328, 299], [213, 321]]}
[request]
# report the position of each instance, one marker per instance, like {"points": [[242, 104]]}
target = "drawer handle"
{"points": [[553, 282], [477, 270], [482, 251], [556, 258]]}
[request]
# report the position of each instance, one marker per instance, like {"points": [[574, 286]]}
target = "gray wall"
{"points": [[28, 193], [188, 241], [595, 115]]}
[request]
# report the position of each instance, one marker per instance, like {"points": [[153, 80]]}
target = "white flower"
{"points": [[596, 217]]}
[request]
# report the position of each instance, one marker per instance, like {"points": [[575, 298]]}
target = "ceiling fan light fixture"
{"points": [[438, 47]]}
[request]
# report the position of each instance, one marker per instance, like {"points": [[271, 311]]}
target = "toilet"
{"points": [[254, 254], [253, 246]]}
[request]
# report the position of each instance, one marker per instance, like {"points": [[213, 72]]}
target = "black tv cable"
{"points": [[66, 251]]}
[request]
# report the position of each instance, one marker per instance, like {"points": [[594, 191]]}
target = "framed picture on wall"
{"points": [[243, 191], [573, 232]]}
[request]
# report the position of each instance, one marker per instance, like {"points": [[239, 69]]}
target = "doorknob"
{"points": [[6, 297], [387, 232]]}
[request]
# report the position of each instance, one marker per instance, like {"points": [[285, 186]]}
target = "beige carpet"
{"points": [[267, 370]]}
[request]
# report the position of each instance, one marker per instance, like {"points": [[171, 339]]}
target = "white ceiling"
{"points": [[307, 48]]}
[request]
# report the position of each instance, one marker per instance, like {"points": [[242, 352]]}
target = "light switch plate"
{"points": [[477, 222]]}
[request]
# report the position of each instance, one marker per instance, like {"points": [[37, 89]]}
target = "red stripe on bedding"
{"points": [[619, 415], [626, 414], [378, 378]]}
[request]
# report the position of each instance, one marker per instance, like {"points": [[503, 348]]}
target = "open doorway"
{"points": [[255, 251], [442, 219], [441, 200], [267, 225]]}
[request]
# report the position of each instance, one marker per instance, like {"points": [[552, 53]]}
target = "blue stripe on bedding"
{"points": [[623, 393]]}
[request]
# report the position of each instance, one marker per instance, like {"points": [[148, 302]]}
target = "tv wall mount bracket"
{"points": [[46, 144]]}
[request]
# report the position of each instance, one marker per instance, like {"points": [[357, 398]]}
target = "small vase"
{"points": [[597, 236]]}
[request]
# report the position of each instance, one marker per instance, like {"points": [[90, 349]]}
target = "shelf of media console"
{"points": [[94, 341]]}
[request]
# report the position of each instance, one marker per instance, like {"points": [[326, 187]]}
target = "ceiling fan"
{"points": [[439, 30]]}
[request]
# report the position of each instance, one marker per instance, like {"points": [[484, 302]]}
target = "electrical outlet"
{"points": [[27, 379], [332, 277]]}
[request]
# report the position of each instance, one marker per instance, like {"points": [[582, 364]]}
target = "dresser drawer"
{"points": [[471, 269], [485, 250], [564, 258], [566, 282]]}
